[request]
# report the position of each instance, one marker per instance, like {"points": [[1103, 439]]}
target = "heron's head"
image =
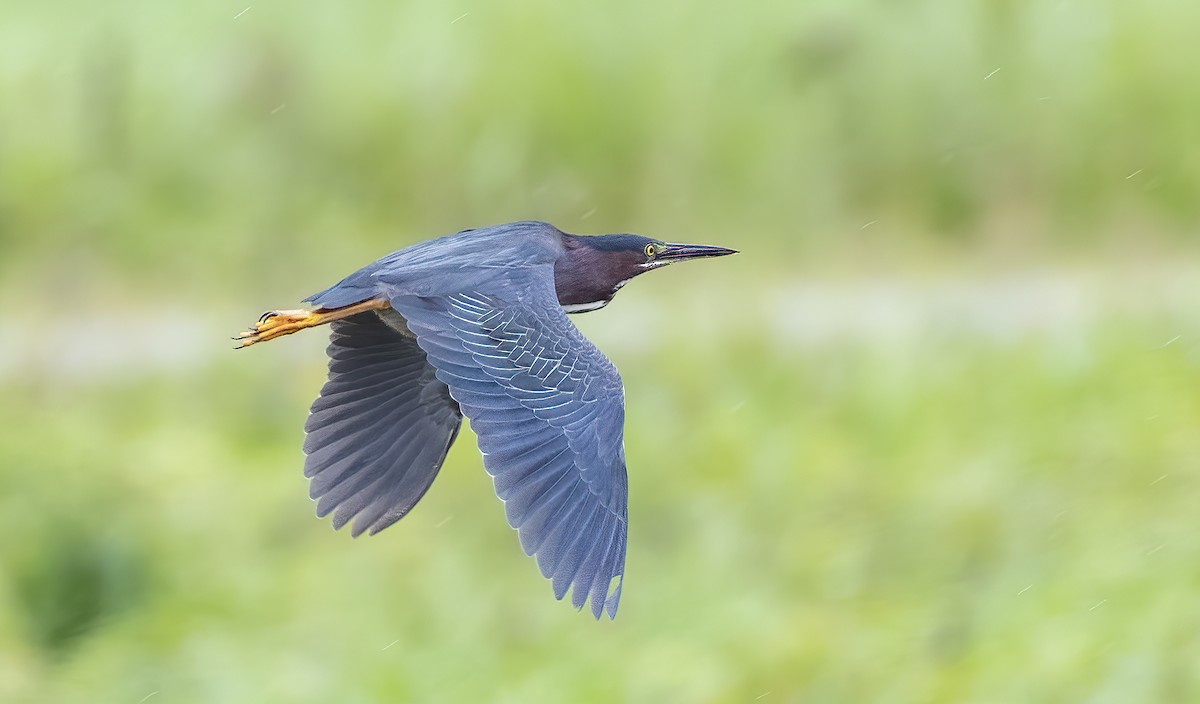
{"points": [[592, 269]]}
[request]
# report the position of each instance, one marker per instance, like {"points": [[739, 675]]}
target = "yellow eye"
{"points": [[651, 250]]}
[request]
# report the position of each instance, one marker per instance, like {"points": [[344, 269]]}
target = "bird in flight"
{"points": [[475, 324]]}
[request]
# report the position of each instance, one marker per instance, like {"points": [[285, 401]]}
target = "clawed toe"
{"points": [[275, 323], [245, 339]]}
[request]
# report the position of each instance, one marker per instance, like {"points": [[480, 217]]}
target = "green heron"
{"points": [[475, 324]]}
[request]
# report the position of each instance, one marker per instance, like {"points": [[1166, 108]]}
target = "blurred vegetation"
{"points": [[162, 142], [1011, 522], [829, 501]]}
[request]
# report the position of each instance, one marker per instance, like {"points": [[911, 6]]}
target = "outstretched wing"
{"points": [[548, 409], [379, 432]]}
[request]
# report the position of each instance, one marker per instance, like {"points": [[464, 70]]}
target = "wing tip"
{"points": [[610, 603], [602, 602]]}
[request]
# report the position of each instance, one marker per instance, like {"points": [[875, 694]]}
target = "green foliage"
{"points": [[71, 585], [162, 141], [937, 518]]}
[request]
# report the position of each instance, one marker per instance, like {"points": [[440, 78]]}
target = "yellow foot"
{"points": [[277, 323]]}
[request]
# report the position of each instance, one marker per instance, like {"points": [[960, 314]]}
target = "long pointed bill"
{"points": [[671, 253]]}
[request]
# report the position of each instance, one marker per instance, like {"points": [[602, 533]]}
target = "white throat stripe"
{"points": [[585, 307]]}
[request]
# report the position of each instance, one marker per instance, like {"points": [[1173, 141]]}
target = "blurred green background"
{"points": [[931, 437]]}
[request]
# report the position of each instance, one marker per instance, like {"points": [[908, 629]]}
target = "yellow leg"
{"points": [[277, 323]]}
